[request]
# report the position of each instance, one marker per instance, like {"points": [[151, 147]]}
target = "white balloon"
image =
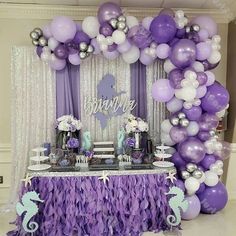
{"points": [[146, 22], [45, 56], [131, 21], [220, 172], [118, 36], [174, 105], [189, 74], [192, 128], [198, 66], [210, 78], [187, 93], [103, 47], [219, 163], [74, 59], [166, 126], [90, 26], [215, 57], [192, 185], [168, 66], [166, 139], [52, 43], [109, 40], [211, 178], [100, 38], [179, 14], [132, 55], [216, 38]]}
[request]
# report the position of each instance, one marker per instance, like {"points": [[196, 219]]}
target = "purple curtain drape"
{"points": [[139, 89], [68, 91]]}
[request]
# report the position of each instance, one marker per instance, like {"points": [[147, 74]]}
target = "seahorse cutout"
{"points": [[176, 203], [86, 140], [120, 138], [30, 208]]}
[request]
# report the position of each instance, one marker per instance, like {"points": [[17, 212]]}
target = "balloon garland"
{"points": [[190, 49]]}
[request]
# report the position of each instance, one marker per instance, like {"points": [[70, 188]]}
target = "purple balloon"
{"points": [[193, 36], [175, 77], [39, 50], [204, 135], [58, 64], [201, 91], [111, 55], [201, 78], [167, 11], [163, 28], [80, 37], [162, 91], [203, 51], [140, 36], [203, 35], [208, 66], [194, 207], [108, 11], [178, 161], [124, 47], [208, 122], [194, 113], [213, 199], [72, 47], [178, 134], [61, 51], [192, 150], [106, 29], [180, 184], [183, 53], [173, 42], [216, 98], [112, 47], [180, 33], [207, 161], [201, 188]]}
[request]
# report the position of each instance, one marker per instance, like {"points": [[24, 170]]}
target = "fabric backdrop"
{"points": [[33, 110]]}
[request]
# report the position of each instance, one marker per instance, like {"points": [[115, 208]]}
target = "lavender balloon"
{"points": [[213, 199], [175, 77], [96, 46], [112, 47], [192, 150], [201, 78], [108, 11], [216, 98], [183, 53], [163, 28], [203, 51], [163, 50], [194, 207], [208, 122], [207, 161], [124, 47], [111, 55], [194, 113], [106, 29], [178, 134], [39, 50], [58, 64], [162, 91], [225, 152], [204, 135], [80, 37], [145, 58], [167, 11], [140, 36], [174, 105]]}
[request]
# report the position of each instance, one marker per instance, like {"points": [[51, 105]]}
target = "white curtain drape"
{"points": [[156, 112], [33, 110], [91, 72]]}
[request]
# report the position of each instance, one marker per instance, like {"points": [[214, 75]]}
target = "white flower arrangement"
{"points": [[68, 123], [135, 124]]}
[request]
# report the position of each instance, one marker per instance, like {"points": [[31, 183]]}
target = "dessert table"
{"points": [[122, 202]]}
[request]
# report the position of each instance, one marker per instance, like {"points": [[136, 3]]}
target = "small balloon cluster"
{"points": [[119, 24], [37, 37], [196, 102]]}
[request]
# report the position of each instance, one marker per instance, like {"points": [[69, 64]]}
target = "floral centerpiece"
{"points": [[68, 126], [135, 125]]}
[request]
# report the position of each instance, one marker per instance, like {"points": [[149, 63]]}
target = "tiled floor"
{"points": [[220, 224]]}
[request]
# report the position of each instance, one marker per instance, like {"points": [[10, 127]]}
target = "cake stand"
{"points": [[160, 153]]}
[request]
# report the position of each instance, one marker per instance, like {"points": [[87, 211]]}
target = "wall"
{"points": [[14, 30]]}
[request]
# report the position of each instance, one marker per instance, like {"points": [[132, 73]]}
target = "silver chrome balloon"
{"points": [[181, 115], [90, 49], [43, 41], [187, 29], [195, 28], [39, 31], [113, 23], [185, 174], [35, 42], [184, 122], [83, 46], [197, 174], [34, 35], [190, 167], [212, 133], [174, 121], [121, 25], [82, 55], [125, 30], [121, 18]]}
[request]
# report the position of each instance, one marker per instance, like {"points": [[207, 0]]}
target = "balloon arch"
{"points": [[190, 49]]}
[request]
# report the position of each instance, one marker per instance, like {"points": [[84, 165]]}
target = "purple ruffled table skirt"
{"points": [[126, 205]]}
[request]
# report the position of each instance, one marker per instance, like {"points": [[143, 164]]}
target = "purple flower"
{"points": [[130, 142], [73, 143]]}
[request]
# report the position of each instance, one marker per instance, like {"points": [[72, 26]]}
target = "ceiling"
{"points": [[228, 7]]}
